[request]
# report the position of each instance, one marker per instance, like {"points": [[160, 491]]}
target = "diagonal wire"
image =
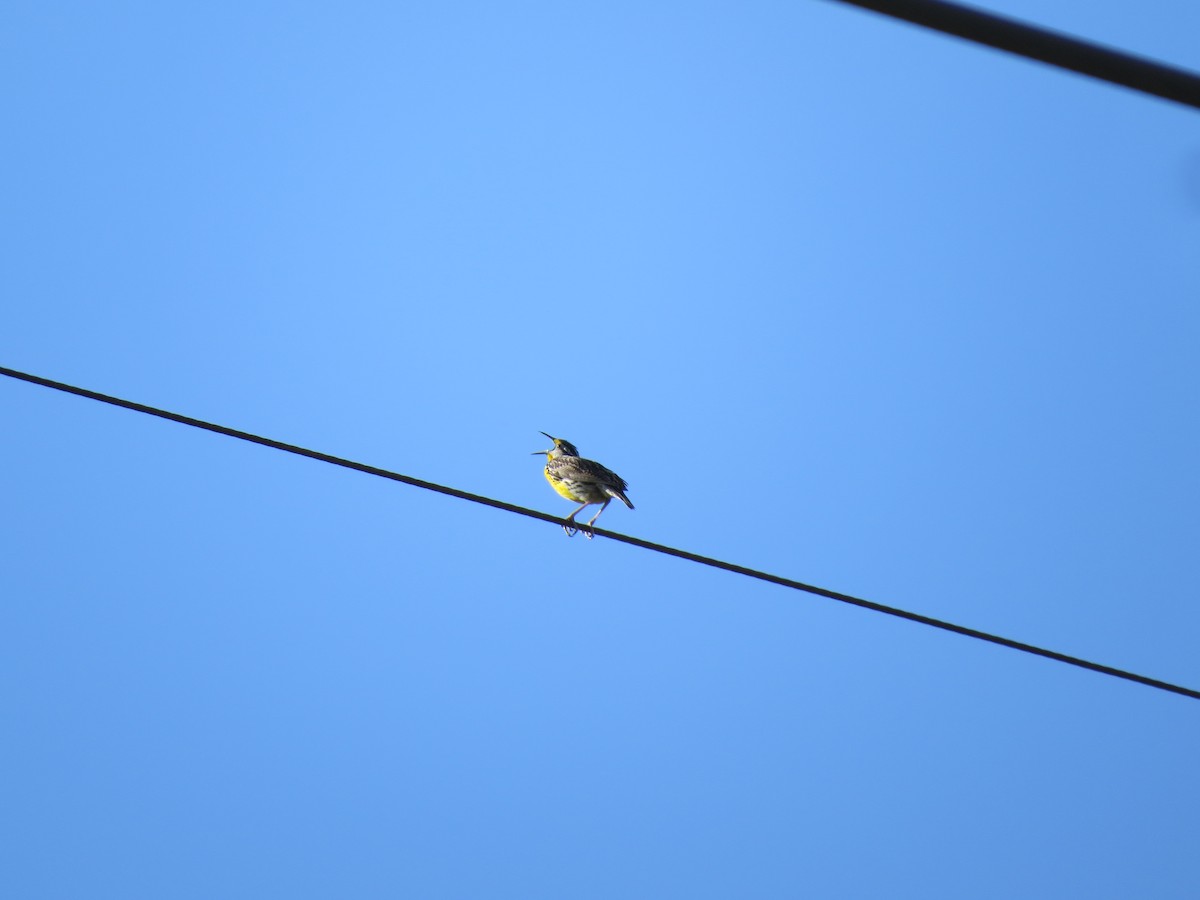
{"points": [[612, 535], [1043, 45]]}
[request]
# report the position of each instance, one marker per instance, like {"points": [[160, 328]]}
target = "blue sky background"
{"points": [[842, 299]]}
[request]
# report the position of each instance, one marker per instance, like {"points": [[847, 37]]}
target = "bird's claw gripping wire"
{"points": [[573, 529]]}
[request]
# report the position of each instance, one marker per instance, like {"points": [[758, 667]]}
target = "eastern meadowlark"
{"points": [[581, 480]]}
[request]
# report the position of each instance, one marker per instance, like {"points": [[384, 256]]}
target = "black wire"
{"points": [[612, 535], [1051, 47]]}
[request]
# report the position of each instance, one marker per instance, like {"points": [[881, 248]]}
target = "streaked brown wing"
{"points": [[585, 470]]}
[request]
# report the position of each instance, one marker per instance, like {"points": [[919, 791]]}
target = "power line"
{"points": [[1054, 48], [612, 535]]}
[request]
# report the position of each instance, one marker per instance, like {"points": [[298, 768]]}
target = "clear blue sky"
{"points": [[844, 300]]}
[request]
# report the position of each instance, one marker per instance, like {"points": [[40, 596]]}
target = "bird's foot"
{"points": [[570, 530]]}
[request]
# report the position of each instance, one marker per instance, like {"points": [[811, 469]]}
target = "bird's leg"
{"points": [[571, 518], [587, 530]]}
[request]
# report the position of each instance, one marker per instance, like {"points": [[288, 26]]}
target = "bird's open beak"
{"points": [[540, 453], [552, 437]]}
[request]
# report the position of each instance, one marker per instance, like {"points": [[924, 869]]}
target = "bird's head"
{"points": [[560, 448]]}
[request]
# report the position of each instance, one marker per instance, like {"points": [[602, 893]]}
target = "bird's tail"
{"points": [[620, 496]]}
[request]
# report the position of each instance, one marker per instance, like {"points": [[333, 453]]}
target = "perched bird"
{"points": [[581, 480]]}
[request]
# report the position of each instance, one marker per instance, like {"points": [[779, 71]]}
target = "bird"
{"points": [[582, 481]]}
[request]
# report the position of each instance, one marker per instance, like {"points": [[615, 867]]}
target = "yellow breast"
{"points": [[562, 487]]}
